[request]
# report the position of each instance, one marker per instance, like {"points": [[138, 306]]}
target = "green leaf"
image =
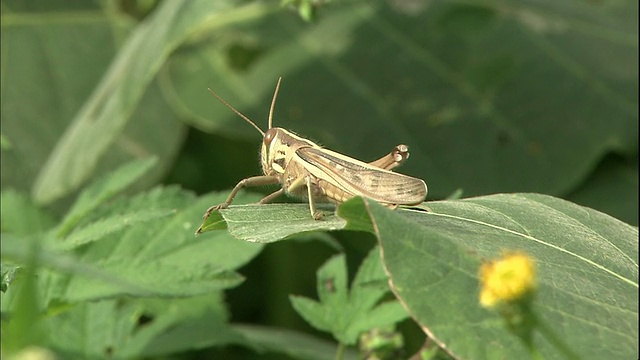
{"points": [[347, 314], [102, 190], [587, 273], [104, 116], [587, 265], [268, 223], [25, 328], [165, 256], [149, 288], [215, 221], [141, 259], [132, 328], [99, 229], [55, 53]]}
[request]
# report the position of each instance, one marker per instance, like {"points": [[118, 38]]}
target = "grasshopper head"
{"points": [[278, 148], [278, 145], [273, 153]]}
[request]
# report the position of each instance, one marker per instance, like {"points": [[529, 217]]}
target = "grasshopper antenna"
{"points": [[273, 102], [241, 114]]}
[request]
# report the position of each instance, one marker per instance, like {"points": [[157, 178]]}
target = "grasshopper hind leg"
{"points": [[398, 155]]}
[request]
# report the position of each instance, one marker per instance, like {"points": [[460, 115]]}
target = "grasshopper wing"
{"points": [[358, 178]]}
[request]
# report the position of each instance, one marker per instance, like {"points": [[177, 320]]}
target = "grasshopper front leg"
{"points": [[252, 181], [270, 197], [397, 156]]}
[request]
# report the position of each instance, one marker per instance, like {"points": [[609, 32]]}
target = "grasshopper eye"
{"points": [[269, 136]]}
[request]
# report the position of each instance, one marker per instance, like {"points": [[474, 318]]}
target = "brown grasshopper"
{"points": [[305, 169]]}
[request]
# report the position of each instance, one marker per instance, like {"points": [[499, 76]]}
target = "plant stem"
{"points": [[340, 351]]}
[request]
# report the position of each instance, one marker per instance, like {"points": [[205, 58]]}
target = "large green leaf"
{"points": [[587, 265], [587, 269]]}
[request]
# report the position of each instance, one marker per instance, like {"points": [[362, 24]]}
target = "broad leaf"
{"points": [[587, 261], [587, 264]]}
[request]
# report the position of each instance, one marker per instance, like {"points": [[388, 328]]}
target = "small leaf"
{"points": [[273, 222], [267, 223], [347, 314], [215, 221]]}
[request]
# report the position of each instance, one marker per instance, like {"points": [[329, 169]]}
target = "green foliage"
{"points": [[347, 313], [104, 109], [587, 261], [114, 252]]}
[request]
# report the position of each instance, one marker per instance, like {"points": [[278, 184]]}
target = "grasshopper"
{"points": [[305, 169]]}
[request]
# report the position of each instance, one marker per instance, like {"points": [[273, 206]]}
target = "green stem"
{"points": [[340, 352]]}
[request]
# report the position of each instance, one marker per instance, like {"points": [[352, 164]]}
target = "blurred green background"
{"points": [[490, 96]]}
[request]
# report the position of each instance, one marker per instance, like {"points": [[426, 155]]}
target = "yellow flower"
{"points": [[507, 279]]}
